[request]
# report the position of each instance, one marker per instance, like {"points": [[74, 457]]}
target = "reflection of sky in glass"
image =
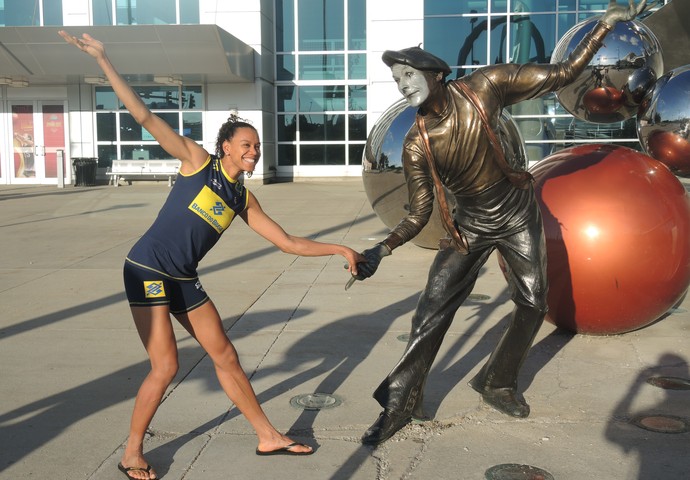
{"points": [[393, 141], [674, 98]]}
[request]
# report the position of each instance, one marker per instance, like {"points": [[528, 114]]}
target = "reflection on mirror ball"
{"points": [[612, 86], [617, 227], [663, 122], [383, 177]]}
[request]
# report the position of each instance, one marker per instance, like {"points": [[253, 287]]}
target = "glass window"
{"points": [[189, 12], [287, 102], [106, 99], [356, 24], [543, 5], [192, 126], [322, 154], [321, 25], [106, 155], [322, 67], [52, 12], [356, 151], [533, 38], [285, 25], [357, 127], [106, 130], [357, 66], [191, 98], [285, 67], [20, 13], [312, 49], [319, 128], [287, 155], [321, 98], [144, 152], [450, 7], [146, 12], [357, 97], [499, 6], [102, 12], [287, 128], [457, 40], [131, 131], [160, 97]]}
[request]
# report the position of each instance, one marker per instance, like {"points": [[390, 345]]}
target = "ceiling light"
{"points": [[168, 79], [19, 82], [5, 80], [94, 79]]}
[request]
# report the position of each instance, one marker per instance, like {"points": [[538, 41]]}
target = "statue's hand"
{"points": [[618, 13], [373, 258]]}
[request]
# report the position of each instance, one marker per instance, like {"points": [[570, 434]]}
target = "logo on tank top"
{"points": [[212, 209], [154, 289]]}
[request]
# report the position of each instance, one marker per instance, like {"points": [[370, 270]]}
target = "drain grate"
{"points": [[315, 401], [514, 471], [662, 423], [670, 383]]}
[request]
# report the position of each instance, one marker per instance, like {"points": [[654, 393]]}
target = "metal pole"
{"points": [[60, 169]]}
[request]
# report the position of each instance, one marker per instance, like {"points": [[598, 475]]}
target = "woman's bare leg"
{"points": [[205, 325], [156, 333]]}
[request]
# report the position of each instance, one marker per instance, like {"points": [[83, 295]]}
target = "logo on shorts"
{"points": [[199, 287], [154, 289]]}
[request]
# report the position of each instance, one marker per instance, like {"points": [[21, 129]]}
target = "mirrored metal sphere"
{"points": [[384, 181], [614, 83], [663, 122]]}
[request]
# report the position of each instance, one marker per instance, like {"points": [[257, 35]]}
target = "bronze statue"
{"points": [[455, 145]]}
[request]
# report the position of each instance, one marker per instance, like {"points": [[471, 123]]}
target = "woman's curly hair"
{"points": [[228, 129]]}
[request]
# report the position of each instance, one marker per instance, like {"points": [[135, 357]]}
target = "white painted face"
{"points": [[412, 83]]}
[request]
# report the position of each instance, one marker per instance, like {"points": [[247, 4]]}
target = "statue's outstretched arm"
{"points": [[618, 13]]}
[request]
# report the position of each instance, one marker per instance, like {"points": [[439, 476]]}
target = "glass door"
{"points": [[39, 139]]}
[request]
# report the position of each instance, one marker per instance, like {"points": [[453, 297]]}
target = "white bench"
{"points": [[129, 170]]}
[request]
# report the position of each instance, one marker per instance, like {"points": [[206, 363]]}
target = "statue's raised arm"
{"points": [[618, 13]]}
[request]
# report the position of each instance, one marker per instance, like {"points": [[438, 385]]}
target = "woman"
{"points": [[160, 270]]}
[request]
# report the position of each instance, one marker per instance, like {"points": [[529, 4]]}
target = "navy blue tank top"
{"points": [[199, 208]]}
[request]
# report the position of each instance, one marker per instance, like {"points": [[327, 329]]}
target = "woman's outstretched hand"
{"points": [[86, 44]]}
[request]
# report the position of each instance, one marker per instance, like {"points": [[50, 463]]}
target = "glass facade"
{"points": [[27, 13], [470, 34], [145, 12], [119, 136], [321, 82]]}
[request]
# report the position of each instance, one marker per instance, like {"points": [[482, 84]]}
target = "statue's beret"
{"points": [[417, 58]]}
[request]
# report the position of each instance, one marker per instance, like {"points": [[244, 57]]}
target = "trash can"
{"points": [[85, 171]]}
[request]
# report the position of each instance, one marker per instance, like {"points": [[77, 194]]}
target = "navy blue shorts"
{"points": [[148, 288]]}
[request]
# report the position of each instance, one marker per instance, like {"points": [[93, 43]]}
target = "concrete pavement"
{"points": [[71, 361]]}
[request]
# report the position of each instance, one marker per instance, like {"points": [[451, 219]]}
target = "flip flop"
{"points": [[126, 470], [286, 450]]}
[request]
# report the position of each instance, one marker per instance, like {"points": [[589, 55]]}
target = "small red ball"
{"points": [[617, 227], [603, 100]]}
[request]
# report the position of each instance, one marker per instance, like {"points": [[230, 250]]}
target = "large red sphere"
{"points": [[617, 226]]}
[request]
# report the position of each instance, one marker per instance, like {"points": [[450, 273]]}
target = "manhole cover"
{"points": [[315, 401], [478, 297], [670, 383], [662, 423], [405, 337], [514, 471]]}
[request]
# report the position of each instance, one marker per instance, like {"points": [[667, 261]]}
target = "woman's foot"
{"points": [[284, 445], [136, 468]]}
